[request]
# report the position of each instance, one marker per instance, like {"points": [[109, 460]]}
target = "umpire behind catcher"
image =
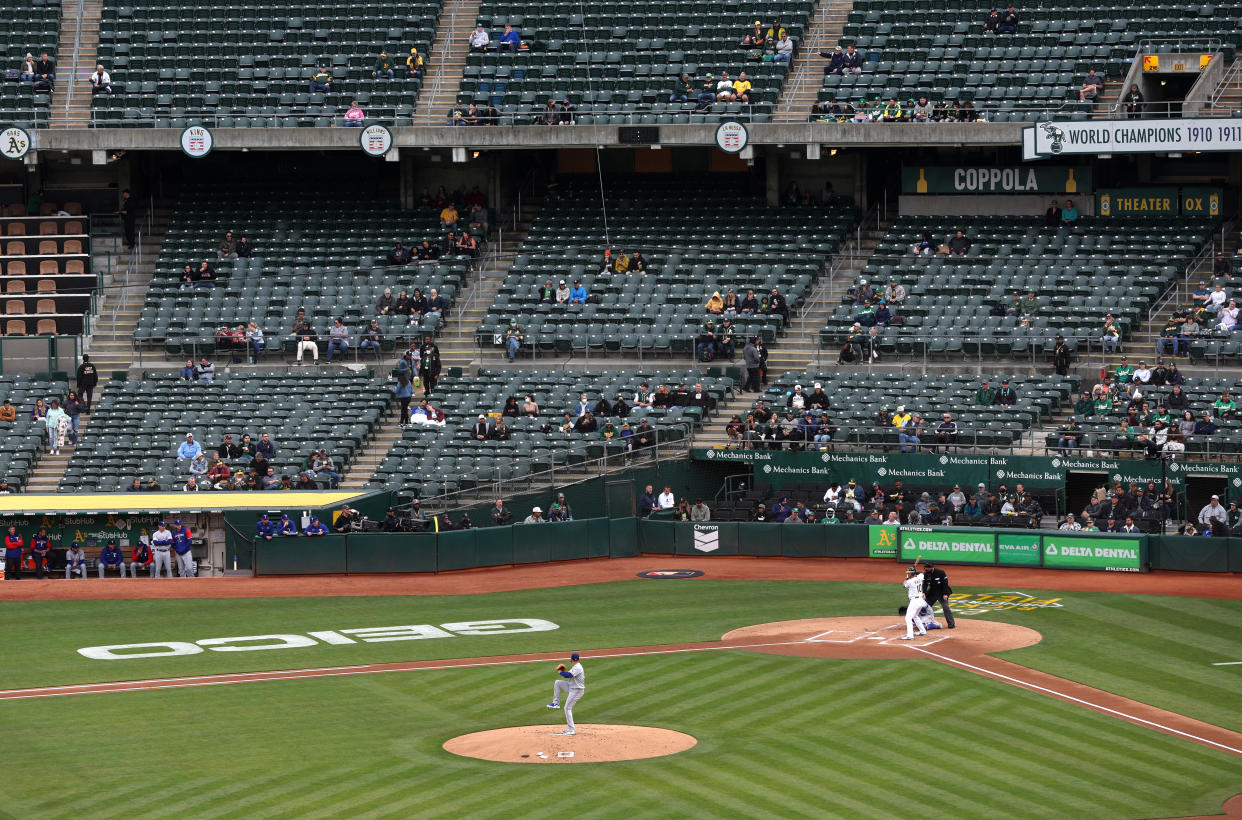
{"points": [[936, 589]]}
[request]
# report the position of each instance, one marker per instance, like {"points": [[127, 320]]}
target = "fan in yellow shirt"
{"points": [[741, 88]]}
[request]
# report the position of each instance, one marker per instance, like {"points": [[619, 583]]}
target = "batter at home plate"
{"points": [[917, 605], [571, 684]]}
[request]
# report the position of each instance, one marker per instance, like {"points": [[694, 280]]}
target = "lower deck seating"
{"points": [[138, 425]]}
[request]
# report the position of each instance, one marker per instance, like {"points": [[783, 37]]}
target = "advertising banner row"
{"points": [[778, 467], [1055, 550]]}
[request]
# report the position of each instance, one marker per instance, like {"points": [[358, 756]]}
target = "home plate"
{"points": [[878, 636]]}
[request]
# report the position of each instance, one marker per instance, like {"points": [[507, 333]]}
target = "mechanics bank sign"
{"points": [[327, 637]]}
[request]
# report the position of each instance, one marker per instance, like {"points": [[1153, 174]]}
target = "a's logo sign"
{"points": [[376, 140], [670, 574], [14, 143], [732, 136], [197, 141], [1056, 137], [707, 539]]}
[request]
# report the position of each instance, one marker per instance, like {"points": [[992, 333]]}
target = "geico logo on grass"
{"points": [[338, 637]]}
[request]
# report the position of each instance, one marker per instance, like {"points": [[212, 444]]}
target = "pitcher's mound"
{"points": [[879, 636], [594, 743]]}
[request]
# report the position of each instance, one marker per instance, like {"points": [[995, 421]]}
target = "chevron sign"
{"points": [[706, 539]]}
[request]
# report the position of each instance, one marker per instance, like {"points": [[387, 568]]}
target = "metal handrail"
{"points": [[804, 51], [1176, 289], [444, 53], [77, 48], [491, 488], [1232, 76]]}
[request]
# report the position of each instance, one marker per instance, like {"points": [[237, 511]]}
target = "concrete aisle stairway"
{"points": [[73, 110], [1230, 94], [112, 331], [798, 347], [457, 346], [447, 61], [49, 469], [362, 467], [802, 89]]}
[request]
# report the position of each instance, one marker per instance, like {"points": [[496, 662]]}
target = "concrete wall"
{"points": [[1204, 87], [1001, 205]]}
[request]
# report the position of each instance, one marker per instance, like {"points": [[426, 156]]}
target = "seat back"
{"points": [[15, 327]]}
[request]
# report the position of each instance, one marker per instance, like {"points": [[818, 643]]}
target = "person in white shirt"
{"points": [[1229, 316], [1142, 375], [916, 606], [101, 81], [1070, 524], [573, 684], [562, 293], [1216, 299], [583, 407], [832, 495], [1213, 511], [479, 39], [1008, 508], [161, 548], [667, 500], [535, 517]]}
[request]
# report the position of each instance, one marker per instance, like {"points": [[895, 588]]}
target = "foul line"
{"points": [[1098, 707], [327, 672], [1229, 663]]}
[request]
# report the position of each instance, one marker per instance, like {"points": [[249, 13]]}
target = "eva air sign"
{"points": [[956, 546], [1111, 554]]}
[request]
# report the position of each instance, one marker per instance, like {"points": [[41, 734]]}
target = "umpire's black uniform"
{"points": [[936, 589]]}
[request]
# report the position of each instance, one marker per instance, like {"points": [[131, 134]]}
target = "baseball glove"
{"points": [[560, 667]]}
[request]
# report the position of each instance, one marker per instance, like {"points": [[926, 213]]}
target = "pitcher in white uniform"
{"points": [[914, 589], [573, 684]]}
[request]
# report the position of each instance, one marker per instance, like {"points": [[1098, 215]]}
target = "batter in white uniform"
{"points": [[573, 684], [916, 605]]}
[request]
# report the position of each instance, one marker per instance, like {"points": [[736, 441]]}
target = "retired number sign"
{"points": [[197, 141], [14, 142], [376, 140]]}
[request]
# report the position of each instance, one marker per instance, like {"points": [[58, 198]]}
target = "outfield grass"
{"points": [[778, 737]]}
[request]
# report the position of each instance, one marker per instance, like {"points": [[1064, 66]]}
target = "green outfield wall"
{"points": [[625, 537]]}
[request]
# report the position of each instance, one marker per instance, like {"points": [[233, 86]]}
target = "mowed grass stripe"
{"points": [[433, 791], [312, 794]]}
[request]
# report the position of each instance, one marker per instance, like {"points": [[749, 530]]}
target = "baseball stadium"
{"points": [[816, 409]]}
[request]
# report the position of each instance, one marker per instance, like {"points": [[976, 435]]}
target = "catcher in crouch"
{"points": [[572, 683]]}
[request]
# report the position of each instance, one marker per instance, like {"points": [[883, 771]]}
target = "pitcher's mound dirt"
{"points": [[879, 636], [594, 743]]}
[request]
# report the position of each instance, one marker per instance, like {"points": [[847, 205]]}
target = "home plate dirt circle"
{"points": [[879, 636], [594, 743]]}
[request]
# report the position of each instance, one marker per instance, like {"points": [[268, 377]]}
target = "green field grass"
{"points": [[778, 737]]}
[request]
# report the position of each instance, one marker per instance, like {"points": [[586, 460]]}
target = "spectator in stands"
{"points": [[513, 339], [27, 71], [1229, 317], [355, 117], [254, 340], [959, 245], [227, 248], [304, 337], [946, 432], [578, 293], [372, 339], [741, 88], [189, 449], [1006, 396], [852, 61], [338, 339], [448, 217], [1091, 86], [45, 73], [909, 432], [1222, 267], [1110, 337], [562, 293], [785, 48], [922, 110], [479, 40], [1134, 103], [682, 91], [1216, 299], [323, 465], [535, 517], [1008, 22], [429, 364], [510, 41], [414, 67], [479, 216], [753, 40], [321, 81], [991, 23], [1052, 216], [101, 81], [383, 68], [1069, 214], [892, 111]]}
